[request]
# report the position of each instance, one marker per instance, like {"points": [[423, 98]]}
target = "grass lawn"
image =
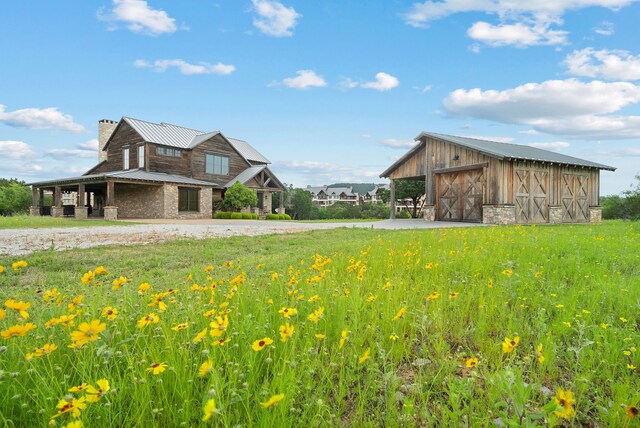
{"points": [[340, 220], [514, 326], [35, 222]]}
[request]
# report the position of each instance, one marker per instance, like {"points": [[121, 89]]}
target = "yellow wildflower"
{"points": [[565, 401], [19, 264], [209, 410], [286, 331], [157, 368], [18, 306], [510, 344], [110, 313], [260, 344], [88, 332], [148, 319], [400, 313], [205, 368], [272, 401], [364, 356], [343, 338], [17, 330], [94, 394]]}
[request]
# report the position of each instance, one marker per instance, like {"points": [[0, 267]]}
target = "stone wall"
{"points": [[555, 215], [429, 212], [171, 203], [139, 201], [595, 214], [267, 202], [499, 214]]}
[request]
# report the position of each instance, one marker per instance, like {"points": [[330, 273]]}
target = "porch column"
{"points": [[110, 210], [34, 209], [81, 210], [392, 199], [281, 209], [56, 209]]}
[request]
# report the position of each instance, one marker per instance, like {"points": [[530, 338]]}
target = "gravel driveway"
{"points": [[15, 242]]}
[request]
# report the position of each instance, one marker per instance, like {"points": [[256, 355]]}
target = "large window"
{"points": [[216, 164], [188, 199], [125, 158], [140, 156]]}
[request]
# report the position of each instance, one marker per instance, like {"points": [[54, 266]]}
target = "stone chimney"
{"points": [[105, 129]]}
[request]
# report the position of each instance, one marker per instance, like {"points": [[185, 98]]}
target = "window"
{"points": [[215, 164], [176, 153], [169, 152], [161, 150], [125, 158], [188, 199], [166, 151], [140, 156]]}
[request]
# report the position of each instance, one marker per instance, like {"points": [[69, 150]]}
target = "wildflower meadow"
{"points": [[484, 326]]}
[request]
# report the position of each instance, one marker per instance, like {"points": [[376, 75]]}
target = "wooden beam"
{"points": [[461, 168], [57, 197], [35, 196], [392, 199], [110, 200]]}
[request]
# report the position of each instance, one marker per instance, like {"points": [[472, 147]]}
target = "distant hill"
{"points": [[359, 188]]}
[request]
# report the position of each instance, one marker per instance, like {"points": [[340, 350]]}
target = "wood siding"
{"points": [[124, 136], [169, 164], [216, 145]]}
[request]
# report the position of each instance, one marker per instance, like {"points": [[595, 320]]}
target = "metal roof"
{"points": [[503, 151], [246, 175], [247, 151], [515, 151], [170, 135], [130, 174]]}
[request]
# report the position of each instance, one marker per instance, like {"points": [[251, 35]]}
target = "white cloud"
{"points": [[605, 64], [139, 17], [89, 145], [348, 83], [383, 82], [304, 79], [564, 107], [555, 146], [423, 13], [35, 118], [605, 28], [17, 150], [161, 65], [522, 23], [72, 153], [518, 34], [274, 19], [395, 143]]}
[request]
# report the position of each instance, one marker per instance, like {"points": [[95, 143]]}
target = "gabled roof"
{"points": [[503, 151], [515, 151], [129, 175], [249, 173], [170, 135]]}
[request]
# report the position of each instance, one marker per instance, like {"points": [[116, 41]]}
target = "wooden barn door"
{"points": [[575, 198], [531, 197], [460, 196]]}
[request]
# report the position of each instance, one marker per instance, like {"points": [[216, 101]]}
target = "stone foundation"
{"points": [[595, 214], [555, 215], [110, 213], [499, 214], [81, 213], [281, 210], [429, 212], [57, 212], [34, 211]]}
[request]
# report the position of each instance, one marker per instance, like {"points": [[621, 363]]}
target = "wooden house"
{"points": [[474, 180], [150, 170]]}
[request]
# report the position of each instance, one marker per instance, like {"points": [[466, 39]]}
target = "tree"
{"points": [[300, 204], [385, 195], [15, 197], [410, 189], [626, 206], [239, 196]]}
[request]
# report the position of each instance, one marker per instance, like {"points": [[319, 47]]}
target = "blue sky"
{"points": [[329, 91]]}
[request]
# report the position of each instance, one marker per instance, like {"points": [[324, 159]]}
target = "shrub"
{"points": [[236, 216], [239, 196], [247, 216], [255, 216], [403, 214], [284, 217], [223, 215], [272, 217]]}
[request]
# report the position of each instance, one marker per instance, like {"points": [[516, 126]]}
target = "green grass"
{"points": [[575, 290], [340, 220], [35, 222]]}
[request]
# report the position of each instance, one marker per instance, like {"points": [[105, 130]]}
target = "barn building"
{"points": [[482, 181]]}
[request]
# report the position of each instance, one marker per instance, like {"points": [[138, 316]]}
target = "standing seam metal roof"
{"points": [[170, 135], [515, 151], [132, 174]]}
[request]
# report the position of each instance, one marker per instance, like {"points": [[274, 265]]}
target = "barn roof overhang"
{"points": [[403, 159]]}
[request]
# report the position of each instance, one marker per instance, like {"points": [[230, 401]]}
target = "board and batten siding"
{"points": [[168, 164], [216, 145]]}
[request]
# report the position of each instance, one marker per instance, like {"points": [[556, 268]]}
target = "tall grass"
{"points": [[423, 305], [34, 222]]}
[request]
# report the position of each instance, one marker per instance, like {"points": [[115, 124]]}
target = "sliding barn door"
{"points": [[575, 198], [531, 196], [460, 196]]}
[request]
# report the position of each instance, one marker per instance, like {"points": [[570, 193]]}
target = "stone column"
{"points": [[56, 209], [555, 214], [110, 210], [110, 213], [595, 214], [429, 212], [34, 209], [392, 200], [281, 209]]}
